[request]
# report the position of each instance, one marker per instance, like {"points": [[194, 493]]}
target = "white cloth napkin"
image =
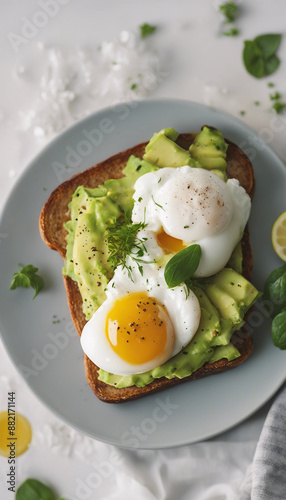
{"points": [[268, 469]]}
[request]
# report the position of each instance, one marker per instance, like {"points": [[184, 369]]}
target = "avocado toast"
{"points": [[54, 220]]}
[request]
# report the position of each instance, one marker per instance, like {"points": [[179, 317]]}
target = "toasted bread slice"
{"points": [[55, 213]]}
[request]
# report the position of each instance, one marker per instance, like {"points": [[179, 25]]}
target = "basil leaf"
{"points": [[259, 55], [182, 266], [275, 289], [252, 59], [268, 44], [278, 291], [32, 489], [271, 65], [278, 330]]}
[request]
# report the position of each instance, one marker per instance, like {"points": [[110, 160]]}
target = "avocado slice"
{"points": [[209, 148], [138, 166], [162, 151], [231, 294]]}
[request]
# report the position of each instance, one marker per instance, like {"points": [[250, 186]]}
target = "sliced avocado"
{"points": [[90, 254], [235, 261], [120, 191], [236, 286], [68, 269], [136, 165], [209, 148], [220, 173], [92, 211], [211, 311], [228, 352], [82, 198], [225, 304], [161, 150], [227, 329], [171, 133]]}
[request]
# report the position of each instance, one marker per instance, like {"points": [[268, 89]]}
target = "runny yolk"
{"points": [[168, 243], [15, 431], [139, 328]]}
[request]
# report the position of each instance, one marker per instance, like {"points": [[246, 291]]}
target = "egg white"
{"points": [[161, 200], [183, 309]]}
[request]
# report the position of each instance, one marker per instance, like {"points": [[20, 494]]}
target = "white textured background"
{"points": [[196, 63]]}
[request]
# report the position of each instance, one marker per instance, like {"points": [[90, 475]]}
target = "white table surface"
{"points": [[198, 64]]}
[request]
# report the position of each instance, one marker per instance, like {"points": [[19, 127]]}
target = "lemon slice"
{"points": [[15, 434], [278, 236]]}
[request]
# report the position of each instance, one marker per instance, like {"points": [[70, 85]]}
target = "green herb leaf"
{"points": [[230, 10], [27, 276], [252, 59], [278, 330], [231, 32], [275, 289], [157, 204], [268, 44], [122, 242], [32, 489], [278, 291], [275, 96], [259, 55], [182, 266], [146, 29], [278, 107]]}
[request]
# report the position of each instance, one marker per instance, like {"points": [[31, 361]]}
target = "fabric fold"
{"points": [[269, 462]]}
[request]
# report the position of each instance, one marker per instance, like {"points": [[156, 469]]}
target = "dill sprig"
{"points": [[122, 242]]}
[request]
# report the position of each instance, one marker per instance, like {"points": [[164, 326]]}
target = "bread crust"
{"points": [[51, 224]]}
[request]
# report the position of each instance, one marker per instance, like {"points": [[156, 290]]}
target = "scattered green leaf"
{"points": [[157, 204], [275, 96], [278, 330], [259, 55], [32, 489], [182, 266], [231, 32], [270, 84], [268, 44], [257, 103], [242, 112], [146, 29], [27, 276], [230, 10], [275, 289], [134, 86], [278, 291], [279, 107]]}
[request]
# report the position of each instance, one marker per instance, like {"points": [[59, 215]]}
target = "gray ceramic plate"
{"points": [[38, 334]]}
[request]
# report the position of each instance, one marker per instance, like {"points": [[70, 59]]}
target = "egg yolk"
{"points": [[14, 428], [139, 328], [168, 243]]}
